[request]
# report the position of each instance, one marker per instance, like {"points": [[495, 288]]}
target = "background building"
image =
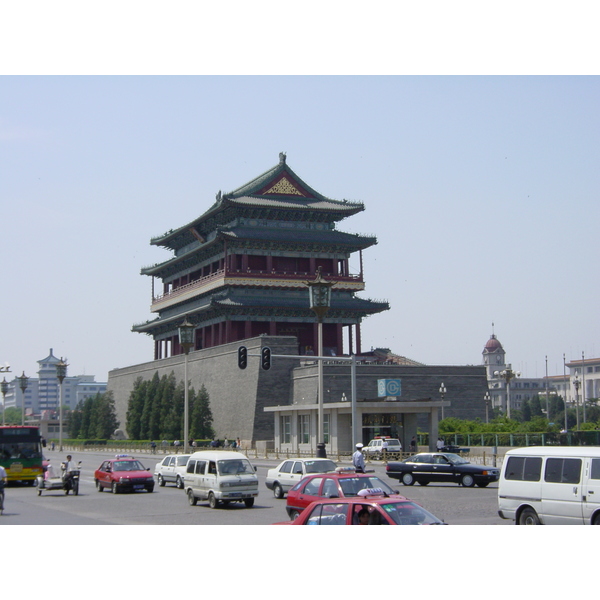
{"points": [[42, 392], [239, 273]]}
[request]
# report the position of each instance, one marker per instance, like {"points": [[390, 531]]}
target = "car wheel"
{"points": [[212, 500], [596, 519], [113, 488], [99, 486], [179, 483], [150, 489], [249, 502], [277, 491], [422, 482], [467, 481], [483, 484], [529, 517], [408, 479], [191, 498], [294, 515], [161, 480]]}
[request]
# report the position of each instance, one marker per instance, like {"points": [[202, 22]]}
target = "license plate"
{"points": [[236, 494], [138, 487]]}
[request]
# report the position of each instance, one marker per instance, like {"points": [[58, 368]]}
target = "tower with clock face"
{"points": [[494, 357]]}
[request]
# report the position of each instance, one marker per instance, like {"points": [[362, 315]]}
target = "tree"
{"points": [[135, 408], [105, 416], [201, 418], [13, 416]]}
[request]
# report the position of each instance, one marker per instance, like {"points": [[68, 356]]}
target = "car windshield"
{"points": [[352, 485], [320, 466], [409, 513], [236, 466], [127, 465], [455, 459]]}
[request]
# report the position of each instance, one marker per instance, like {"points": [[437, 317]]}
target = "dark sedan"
{"points": [[441, 467]]}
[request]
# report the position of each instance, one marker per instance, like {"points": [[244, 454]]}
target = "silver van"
{"points": [[550, 486], [220, 476]]}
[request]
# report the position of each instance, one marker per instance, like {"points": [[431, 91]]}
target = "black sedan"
{"points": [[439, 467]]}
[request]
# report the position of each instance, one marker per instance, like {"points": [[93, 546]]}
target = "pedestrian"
{"points": [[153, 447], [384, 447], [238, 443], [440, 444], [176, 444], [164, 446], [52, 446], [413, 445], [358, 460]]}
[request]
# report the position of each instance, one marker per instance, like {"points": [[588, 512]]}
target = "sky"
{"points": [[481, 190]]}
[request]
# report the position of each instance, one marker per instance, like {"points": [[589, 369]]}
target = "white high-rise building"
{"points": [[42, 392]]}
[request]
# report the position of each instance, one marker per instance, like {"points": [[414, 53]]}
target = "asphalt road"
{"points": [[169, 506]]}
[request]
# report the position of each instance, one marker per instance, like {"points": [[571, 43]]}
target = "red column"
{"points": [[340, 339], [358, 348]]}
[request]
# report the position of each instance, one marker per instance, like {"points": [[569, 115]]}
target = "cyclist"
{"points": [[3, 480]]}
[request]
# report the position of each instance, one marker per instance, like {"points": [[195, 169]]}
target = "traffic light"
{"points": [[242, 357], [265, 358]]}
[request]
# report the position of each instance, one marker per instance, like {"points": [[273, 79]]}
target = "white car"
{"points": [[171, 469], [285, 476], [375, 447]]}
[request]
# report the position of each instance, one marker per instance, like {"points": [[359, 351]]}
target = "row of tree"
{"points": [[94, 418], [156, 410], [532, 418]]}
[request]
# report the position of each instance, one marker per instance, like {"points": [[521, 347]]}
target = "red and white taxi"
{"points": [[123, 473], [369, 507], [344, 483]]}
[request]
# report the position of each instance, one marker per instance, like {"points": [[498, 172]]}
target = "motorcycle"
{"points": [[68, 481]]}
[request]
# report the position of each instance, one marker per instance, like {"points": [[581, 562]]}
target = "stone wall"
{"points": [[237, 396]]}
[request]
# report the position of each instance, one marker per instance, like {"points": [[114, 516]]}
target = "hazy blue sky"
{"points": [[482, 192]]}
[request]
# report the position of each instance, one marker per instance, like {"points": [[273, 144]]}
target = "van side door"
{"points": [[591, 489], [562, 491]]}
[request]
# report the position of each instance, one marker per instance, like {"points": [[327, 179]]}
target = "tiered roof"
{"points": [[277, 194]]}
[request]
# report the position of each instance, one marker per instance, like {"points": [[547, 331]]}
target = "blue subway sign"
{"points": [[389, 387]]}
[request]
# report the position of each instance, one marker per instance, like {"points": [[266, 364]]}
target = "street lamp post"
{"points": [[4, 388], [442, 391], [186, 341], [565, 392], [508, 375], [23, 383], [576, 384], [487, 398], [320, 301], [61, 373]]}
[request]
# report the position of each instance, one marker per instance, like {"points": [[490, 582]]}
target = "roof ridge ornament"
{"points": [[282, 157]]}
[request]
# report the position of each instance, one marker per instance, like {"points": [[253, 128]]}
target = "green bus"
{"points": [[21, 452]]}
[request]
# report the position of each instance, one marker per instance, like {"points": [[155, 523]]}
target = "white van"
{"points": [[220, 476], [551, 486]]}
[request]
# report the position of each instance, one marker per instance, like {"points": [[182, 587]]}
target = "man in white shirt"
{"points": [[358, 460]]}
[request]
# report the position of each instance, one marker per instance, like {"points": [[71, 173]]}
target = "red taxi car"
{"points": [[344, 483], [123, 473], [370, 507]]}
